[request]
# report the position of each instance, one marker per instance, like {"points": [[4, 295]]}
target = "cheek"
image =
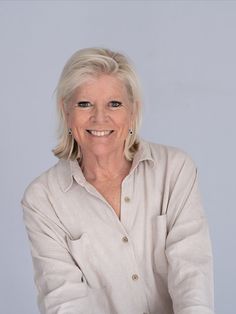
{"points": [[76, 121], [125, 122], [124, 126]]}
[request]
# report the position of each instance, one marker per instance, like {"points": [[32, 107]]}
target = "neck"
{"points": [[105, 168]]}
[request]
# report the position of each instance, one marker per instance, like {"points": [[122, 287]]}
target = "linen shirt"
{"points": [[155, 259]]}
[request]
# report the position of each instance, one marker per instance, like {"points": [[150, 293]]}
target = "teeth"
{"points": [[99, 133]]}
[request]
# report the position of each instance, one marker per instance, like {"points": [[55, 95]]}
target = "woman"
{"points": [[116, 226]]}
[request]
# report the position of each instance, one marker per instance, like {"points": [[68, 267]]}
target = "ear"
{"points": [[64, 109], [134, 112]]}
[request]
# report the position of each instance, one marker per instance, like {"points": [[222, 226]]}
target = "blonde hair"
{"points": [[82, 65]]}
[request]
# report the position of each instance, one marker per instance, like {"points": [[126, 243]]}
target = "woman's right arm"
{"points": [[59, 281]]}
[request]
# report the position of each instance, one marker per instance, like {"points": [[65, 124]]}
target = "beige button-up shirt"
{"points": [[155, 259]]}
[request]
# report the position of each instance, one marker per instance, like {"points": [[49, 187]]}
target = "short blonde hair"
{"points": [[84, 64]]}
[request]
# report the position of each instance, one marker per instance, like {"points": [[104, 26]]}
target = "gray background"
{"points": [[184, 52]]}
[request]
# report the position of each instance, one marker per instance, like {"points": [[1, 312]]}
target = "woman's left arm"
{"points": [[188, 247]]}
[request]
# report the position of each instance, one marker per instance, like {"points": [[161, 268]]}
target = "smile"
{"points": [[99, 133]]}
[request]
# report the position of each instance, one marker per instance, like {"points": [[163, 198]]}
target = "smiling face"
{"points": [[99, 115]]}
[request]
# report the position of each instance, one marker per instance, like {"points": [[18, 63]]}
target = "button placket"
{"points": [[127, 217], [126, 202], [132, 270]]}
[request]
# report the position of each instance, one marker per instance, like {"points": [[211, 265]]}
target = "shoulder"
{"points": [[45, 185], [166, 153], [170, 158]]}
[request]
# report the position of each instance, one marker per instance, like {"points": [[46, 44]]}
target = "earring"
{"points": [[69, 131], [130, 131]]}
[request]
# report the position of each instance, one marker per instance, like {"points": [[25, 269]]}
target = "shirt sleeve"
{"points": [[59, 281], [188, 247]]}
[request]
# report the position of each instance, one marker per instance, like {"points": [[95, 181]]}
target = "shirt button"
{"points": [[127, 199], [125, 239], [135, 277]]}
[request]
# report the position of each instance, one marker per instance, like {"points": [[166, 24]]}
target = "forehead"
{"points": [[102, 86]]}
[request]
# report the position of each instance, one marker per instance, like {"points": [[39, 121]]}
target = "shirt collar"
{"points": [[143, 154], [69, 170]]}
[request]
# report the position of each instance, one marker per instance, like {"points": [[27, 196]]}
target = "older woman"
{"points": [[116, 226]]}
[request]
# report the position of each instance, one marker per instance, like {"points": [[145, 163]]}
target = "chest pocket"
{"points": [[159, 237], [90, 265]]}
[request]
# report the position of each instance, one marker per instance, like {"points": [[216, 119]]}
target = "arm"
{"points": [[59, 281], [188, 247]]}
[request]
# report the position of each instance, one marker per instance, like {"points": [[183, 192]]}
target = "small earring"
{"points": [[69, 131], [130, 131]]}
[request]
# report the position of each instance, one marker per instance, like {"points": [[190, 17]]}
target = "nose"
{"points": [[99, 114]]}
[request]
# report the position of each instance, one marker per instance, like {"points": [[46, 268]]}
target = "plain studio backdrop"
{"points": [[185, 56]]}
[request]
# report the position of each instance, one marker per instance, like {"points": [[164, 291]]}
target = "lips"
{"points": [[100, 133]]}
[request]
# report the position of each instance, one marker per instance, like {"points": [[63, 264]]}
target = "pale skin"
{"points": [[100, 116]]}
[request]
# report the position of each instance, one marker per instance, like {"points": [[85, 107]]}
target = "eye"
{"points": [[83, 104], [115, 104]]}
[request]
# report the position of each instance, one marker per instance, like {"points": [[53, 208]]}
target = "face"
{"points": [[99, 115]]}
